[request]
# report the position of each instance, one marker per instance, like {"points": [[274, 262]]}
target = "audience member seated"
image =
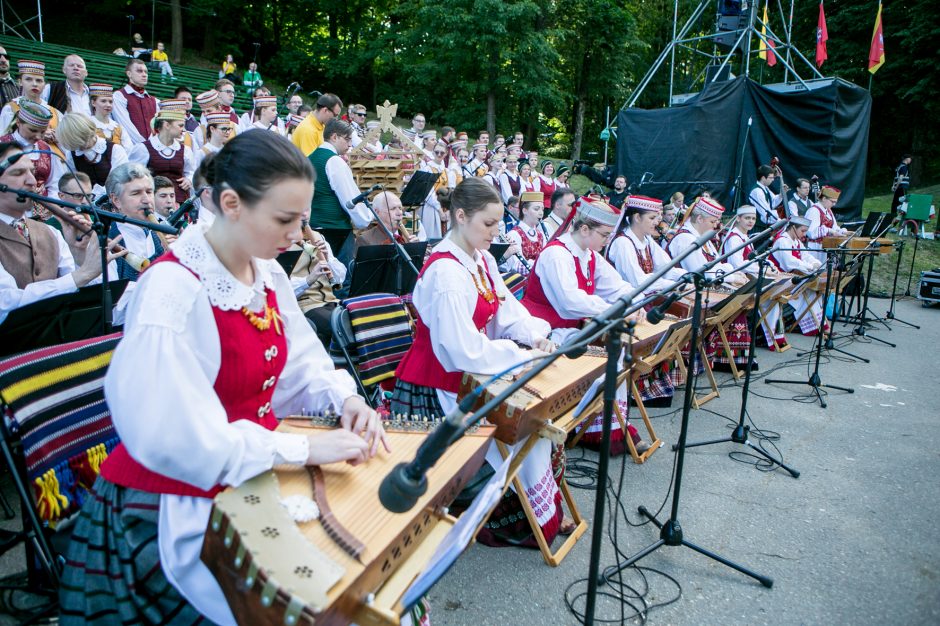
{"points": [[160, 57]]}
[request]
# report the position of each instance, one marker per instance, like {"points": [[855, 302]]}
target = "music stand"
{"points": [[498, 250], [59, 319], [378, 269]]}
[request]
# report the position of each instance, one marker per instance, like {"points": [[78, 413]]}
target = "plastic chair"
{"points": [[918, 211]]}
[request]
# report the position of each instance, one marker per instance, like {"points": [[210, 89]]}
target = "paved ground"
{"points": [[852, 541]]}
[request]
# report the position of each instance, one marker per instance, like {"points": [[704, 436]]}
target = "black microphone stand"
{"points": [[862, 329], [740, 433], [101, 221], [430, 451], [814, 380], [899, 248], [671, 531]]}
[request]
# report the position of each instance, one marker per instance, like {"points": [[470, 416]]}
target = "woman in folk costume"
{"points": [[571, 283], [706, 215], [101, 100], [219, 129], [745, 219], [510, 182], [433, 215], [469, 322], [546, 183], [88, 152], [822, 222], [265, 114], [635, 254], [790, 255], [218, 318], [561, 178], [32, 121], [32, 80], [526, 233], [164, 152], [529, 182]]}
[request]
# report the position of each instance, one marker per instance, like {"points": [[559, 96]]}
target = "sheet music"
{"points": [[459, 536]]}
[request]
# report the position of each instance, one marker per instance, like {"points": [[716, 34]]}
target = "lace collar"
{"points": [[224, 290]]}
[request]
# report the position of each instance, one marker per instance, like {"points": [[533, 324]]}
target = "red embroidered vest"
{"points": [[172, 168], [141, 110], [748, 249], [548, 190], [536, 301], [420, 365], [645, 260], [252, 361], [531, 249], [795, 251]]}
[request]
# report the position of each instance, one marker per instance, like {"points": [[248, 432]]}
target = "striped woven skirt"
{"points": [[540, 475], [739, 339], [112, 570]]}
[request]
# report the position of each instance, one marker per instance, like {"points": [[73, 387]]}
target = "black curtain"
{"points": [[698, 145]]}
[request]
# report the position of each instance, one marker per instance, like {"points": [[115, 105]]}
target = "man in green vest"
{"points": [[333, 212]]}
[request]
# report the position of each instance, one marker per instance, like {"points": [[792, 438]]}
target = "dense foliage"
{"points": [[548, 67]]}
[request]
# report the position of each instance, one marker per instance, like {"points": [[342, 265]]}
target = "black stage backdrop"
{"points": [[698, 145]]}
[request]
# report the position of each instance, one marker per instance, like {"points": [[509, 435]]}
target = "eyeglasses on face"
{"points": [[227, 91], [87, 197]]}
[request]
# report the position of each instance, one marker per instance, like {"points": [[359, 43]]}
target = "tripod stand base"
{"points": [[740, 436], [670, 534], [814, 382], [891, 316], [862, 331]]}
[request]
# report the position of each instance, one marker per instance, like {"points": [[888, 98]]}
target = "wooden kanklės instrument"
{"points": [[275, 570]]}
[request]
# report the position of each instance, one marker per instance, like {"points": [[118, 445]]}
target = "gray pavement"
{"points": [[852, 541]]}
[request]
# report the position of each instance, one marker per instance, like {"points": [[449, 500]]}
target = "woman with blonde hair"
{"points": [[86, 151]]}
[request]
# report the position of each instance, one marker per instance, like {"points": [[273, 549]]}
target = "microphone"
{"points": [[749, 121], [658, 313], [365, 194], [181, 212], [401, 487]]}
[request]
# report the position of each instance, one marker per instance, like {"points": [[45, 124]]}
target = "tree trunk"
{"points": [[578, 135], [176, 31], [580, 104], [491, 113]]}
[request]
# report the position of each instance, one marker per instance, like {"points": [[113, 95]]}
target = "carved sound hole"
{"points": [[252, 499], [270, 532], [303, 571]]}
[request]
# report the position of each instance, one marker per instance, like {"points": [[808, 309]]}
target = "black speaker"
{"points": [[712, 73], [727, 26]]}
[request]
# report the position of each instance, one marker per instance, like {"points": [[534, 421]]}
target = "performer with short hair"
{"points": [[467, 321], [763, 199], [134, 108], [218, 320], [800, 203], [822, 221]]}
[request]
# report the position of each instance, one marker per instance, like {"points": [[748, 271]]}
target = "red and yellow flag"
{"points": [[766, 51], [876, 55]]}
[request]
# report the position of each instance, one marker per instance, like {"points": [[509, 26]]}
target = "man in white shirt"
{"points": [[133, 106], [36, 260], [331, 212], [70, 95], [765, 200], [800, 203]]}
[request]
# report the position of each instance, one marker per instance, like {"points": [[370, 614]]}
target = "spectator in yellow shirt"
{"points": [[228, 68], [159, 56], [309, 134]]}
